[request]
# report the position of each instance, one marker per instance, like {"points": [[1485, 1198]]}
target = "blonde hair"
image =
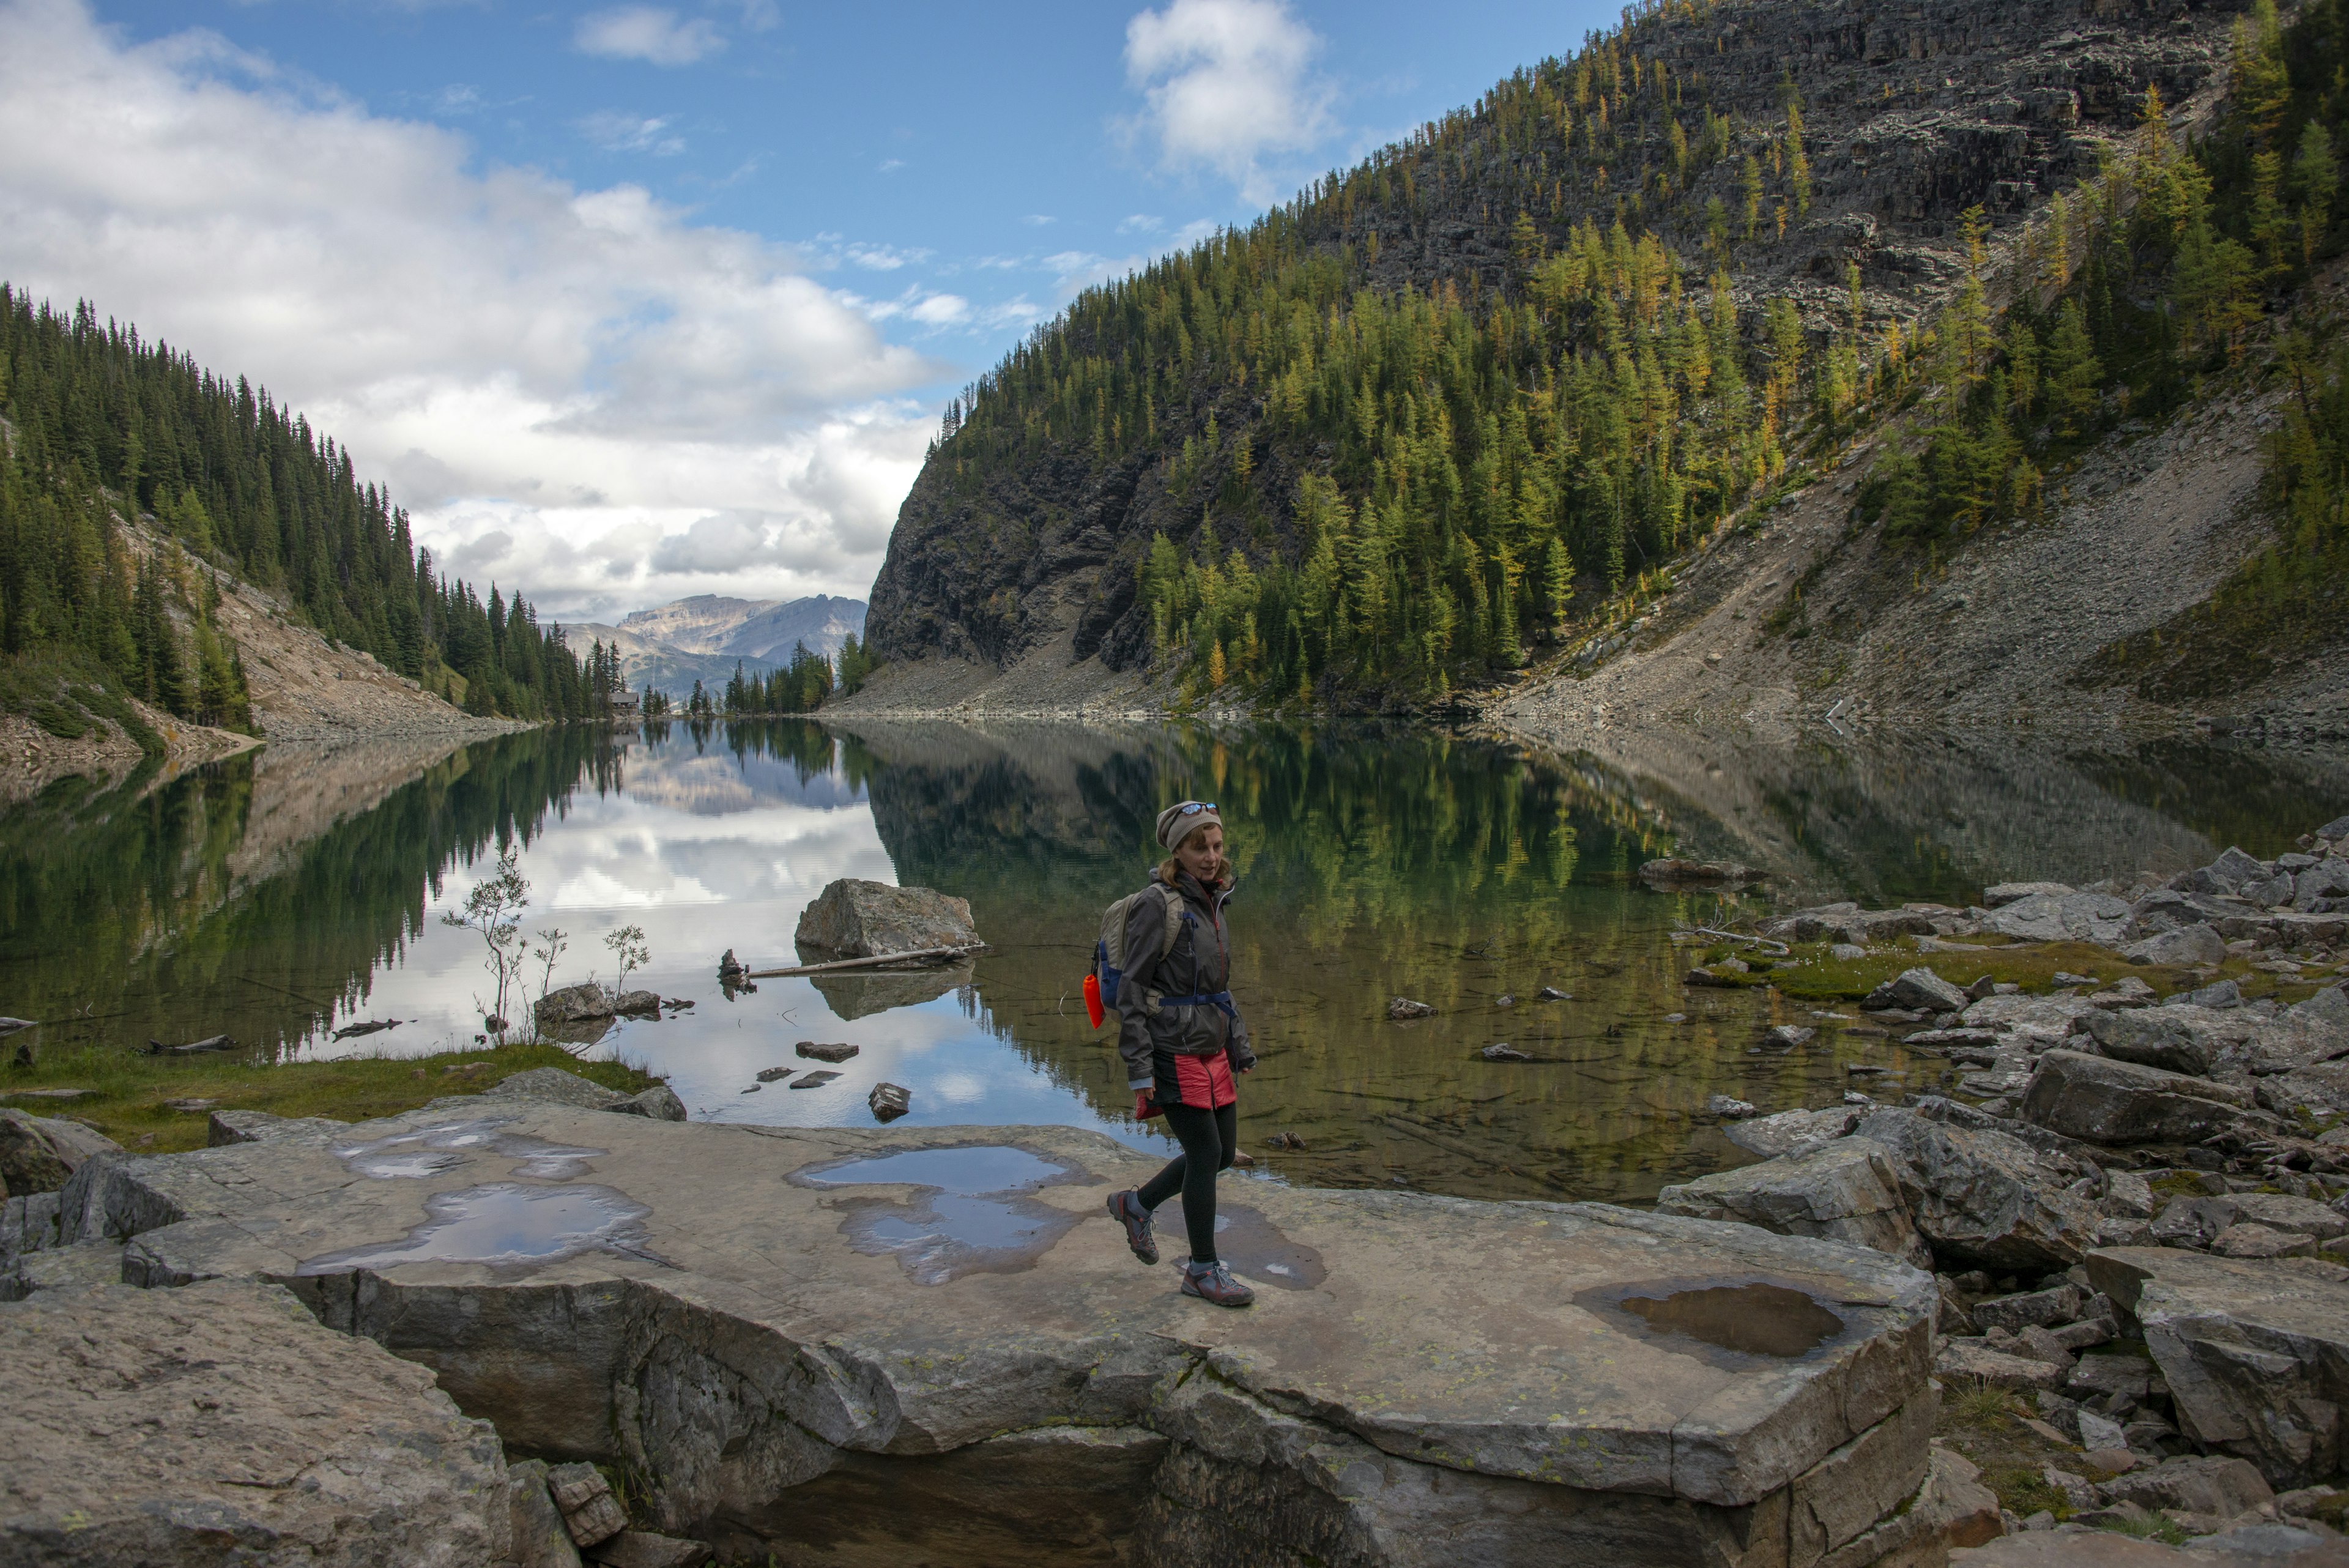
{"points": [[1168, 869]]}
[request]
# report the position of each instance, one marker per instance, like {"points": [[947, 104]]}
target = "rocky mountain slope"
{"points": [[671, 646], [1021, 588], [305, 688]]}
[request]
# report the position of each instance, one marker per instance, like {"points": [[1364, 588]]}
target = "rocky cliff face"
{"points": [[1911, 114]]}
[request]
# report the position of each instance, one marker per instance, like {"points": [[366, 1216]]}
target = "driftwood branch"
{"points": [[1763, 942], [919, 955]]}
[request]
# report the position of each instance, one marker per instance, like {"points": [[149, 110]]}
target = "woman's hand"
{"points": [[1142, 1104]]}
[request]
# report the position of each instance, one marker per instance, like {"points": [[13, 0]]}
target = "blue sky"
{"points": [[630, 301]]}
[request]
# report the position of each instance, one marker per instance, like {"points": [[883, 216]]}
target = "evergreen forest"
{"points": [[131, 481], [1402, 489]]}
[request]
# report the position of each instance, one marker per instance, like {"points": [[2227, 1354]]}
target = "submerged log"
{"points": [[919, 955], [193, 1047]]}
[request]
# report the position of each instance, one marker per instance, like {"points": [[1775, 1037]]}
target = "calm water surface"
{"points": [[283, 897]]}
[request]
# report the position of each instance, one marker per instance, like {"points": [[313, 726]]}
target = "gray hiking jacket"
{"points": [[1199, 964]]}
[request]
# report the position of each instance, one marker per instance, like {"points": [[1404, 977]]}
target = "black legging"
{"points": [[1207, 1138]]}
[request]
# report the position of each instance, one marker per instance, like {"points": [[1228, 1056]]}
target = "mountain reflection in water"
{"points": [[280, 896]]}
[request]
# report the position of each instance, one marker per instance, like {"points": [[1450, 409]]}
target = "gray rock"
{"points": [[2101, 1376], [752, 1364], [1981, 1199], [2150, 1040], [1788, 1131], [2126, 1196], [2329, 1008], [2276, 890], [1919, 991], [1999, 895], [2033, 1023], [659, 1101], [1502, 1051], [2186, 945], [555, 1085], [856, 919], [221, 1422], [1846, 1190], [2256, 1353], [2194, 1223], [2320, 883], [642, 1548], [2061, 917], [2100, 1432], [1400, 1008], [540, 1539], [2214, 998], [2044, 1309], [1786, 1037], [39, 1154], [581, 1004], [1975, 1359], [2231, 873], [222, 1128], [590, 1512], [889, 1101], [2163, 911], [2247, 1239], [819, 1052], [2206, 1484], [2319, 1090], [2098, 1100], [2335, 831], [85, 1263], [27, 1224], [1728, 1107], [2282, 1211]]}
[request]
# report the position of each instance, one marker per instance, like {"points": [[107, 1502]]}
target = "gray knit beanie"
{"points": [[1184, 818]]}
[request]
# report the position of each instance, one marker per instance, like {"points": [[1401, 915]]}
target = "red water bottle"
{"points": [[1092, 999]]}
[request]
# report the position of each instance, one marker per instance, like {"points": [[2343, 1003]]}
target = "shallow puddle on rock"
{"points": [[970, 1213], [505, 1224], [1756, 1318], [429, 1150], [1254, 1246]]}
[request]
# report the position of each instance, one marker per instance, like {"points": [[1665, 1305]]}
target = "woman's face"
{"points": [[1201, 854]]}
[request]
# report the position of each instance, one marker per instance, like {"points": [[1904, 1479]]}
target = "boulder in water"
{"points": [[856, 919]]}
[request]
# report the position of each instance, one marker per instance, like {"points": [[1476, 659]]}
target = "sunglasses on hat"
{"points": [[1193, 807]]}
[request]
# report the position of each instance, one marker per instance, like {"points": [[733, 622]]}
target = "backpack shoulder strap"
{"points": [[1171, 900]]}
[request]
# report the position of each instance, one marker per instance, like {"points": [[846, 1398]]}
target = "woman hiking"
{"points": [[1183, 1041]]}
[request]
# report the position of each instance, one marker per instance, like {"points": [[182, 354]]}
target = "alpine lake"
{"points": [[285, 897]]}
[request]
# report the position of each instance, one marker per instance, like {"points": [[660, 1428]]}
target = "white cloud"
{"points": [[1228, 82], [648, 33], [1141, 223], [556, 381], [615, 131], [1073, 271]]}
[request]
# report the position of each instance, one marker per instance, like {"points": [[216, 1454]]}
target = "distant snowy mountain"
{"points": [[670, 646]]}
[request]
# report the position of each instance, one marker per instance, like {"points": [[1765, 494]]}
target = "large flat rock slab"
{"points": [[772, 1323], [225, 1424]]}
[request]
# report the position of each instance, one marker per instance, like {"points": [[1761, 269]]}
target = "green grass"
{"points": [[129, 1091], [1811, 973]]}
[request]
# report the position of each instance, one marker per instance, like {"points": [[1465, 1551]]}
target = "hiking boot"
{"points": [[1214, 1283], [1126, 1208]]}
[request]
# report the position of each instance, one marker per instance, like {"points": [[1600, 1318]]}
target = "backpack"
{"points": [[1111, 959]]}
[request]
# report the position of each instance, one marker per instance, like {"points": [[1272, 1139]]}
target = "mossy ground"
{"points": [[1812, 973], [129, 1092], [1999, 1430]]}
